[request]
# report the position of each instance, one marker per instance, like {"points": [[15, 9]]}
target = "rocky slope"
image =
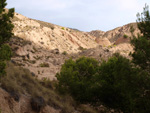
{"points": [[117, 33], [49, 36], [45, 63], [40, 61], [9, 105], [97, 33], [43, 47]]}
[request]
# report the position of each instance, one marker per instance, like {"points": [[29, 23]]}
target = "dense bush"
{"points": [[116, 83], [120, 84], [125, 36], [5, 52], [77, 77]]}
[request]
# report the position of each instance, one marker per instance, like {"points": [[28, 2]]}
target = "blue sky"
{"points": [[85, 15]]}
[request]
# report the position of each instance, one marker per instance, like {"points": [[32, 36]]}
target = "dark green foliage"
{"points": [[142, 103], [5, 52], [144, 22], [64, 53], [116, 83], [132, 29], [5, 22], [2, 68], [6, 28], [76, 78], [125, 36], [44, 65], [141, 55], [120, 84]]}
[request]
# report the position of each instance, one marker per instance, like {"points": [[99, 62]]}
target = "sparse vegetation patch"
{"points": [[125, 36], [44, 64]]}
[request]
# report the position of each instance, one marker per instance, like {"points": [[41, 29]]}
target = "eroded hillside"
{"points": [[117, 33], [50, 36], [43, 47]]}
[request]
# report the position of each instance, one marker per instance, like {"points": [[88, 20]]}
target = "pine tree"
{"points": [[6, 28], [141, 57], [143, 21], [141, 44]]}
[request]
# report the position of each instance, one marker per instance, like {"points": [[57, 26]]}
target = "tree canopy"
{"points": [[141, 44], [6, 28]]}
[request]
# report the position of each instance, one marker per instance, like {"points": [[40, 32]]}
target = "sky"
{"points": [[85, 15]]}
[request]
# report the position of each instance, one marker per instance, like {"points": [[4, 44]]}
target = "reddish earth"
{"points": [[122, 40]]}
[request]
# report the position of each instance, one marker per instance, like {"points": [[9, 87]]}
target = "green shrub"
{"points": [[82, 48], [64, 53], [20, 81], [120, 84], [44, 65], [63, 28], [125, 36], [116, 83], [132, 29], [76, 78], [5, 52], [114, 45]]}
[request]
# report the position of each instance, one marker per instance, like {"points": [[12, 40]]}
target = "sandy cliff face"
{"points": [[49, 36]]}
